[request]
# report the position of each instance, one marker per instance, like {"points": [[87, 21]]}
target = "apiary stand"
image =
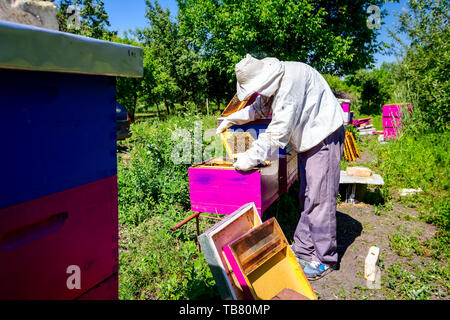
{"points": [[196, 216], [353, 185]]}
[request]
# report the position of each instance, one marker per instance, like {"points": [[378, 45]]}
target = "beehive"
{"points": [[345, 104], [58, 196], [213, 240], [392, 119], [264, 264], [216, 187]]}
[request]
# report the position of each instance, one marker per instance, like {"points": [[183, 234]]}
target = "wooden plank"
{"points": [[289, 294]]}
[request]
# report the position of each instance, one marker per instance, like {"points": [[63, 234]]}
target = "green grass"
{"points": [[156, 263], [417, 281], [416, 161]]}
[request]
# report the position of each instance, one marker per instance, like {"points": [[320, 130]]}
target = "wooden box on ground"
{"points": [[213, 240], [264, 264]]}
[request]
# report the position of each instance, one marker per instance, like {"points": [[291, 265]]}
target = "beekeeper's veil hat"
{"points": [[262, 76]]}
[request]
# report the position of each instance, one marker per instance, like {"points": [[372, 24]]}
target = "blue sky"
{"points": [[130, 14]]}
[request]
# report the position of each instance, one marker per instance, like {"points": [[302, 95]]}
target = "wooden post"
{"points": [[198, 232], [195, 215], [207, 107]]}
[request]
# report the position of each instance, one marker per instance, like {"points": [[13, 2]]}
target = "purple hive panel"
{"points": [[60, 132]]}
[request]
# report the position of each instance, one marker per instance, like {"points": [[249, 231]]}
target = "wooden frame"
{"points": [[213, 240], [264, 264]]}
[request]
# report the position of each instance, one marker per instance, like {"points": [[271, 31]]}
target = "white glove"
{"points": [[224, 125], [243, 162]]}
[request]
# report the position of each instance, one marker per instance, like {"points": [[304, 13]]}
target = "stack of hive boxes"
{"points": [[392, 121], [58, 192], [348, 115]]}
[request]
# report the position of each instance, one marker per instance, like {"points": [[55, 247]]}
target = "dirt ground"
{"points": [[358, 228]]}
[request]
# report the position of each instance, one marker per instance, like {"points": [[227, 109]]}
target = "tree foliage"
{"points": [[332, 36], [174, 66], [192, 57], [374, 88]]}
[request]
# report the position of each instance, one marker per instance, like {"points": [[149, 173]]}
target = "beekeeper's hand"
{"points": [[243, 162], [224, 125]]}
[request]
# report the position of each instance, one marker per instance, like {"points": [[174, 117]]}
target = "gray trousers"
{"points": [[315, 235]]}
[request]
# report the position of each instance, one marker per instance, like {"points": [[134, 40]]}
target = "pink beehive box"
{"points": [[222, 189], [216, 187], [391, 122], [346, 107], [41, 238], [390, 133], [392, 110], [216, 238], [264, 264]]}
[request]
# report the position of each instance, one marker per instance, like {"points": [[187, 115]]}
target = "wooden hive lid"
{"points": [[235, 104]]}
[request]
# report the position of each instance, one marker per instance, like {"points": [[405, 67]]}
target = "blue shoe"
{"points": [[316, 270], [310, 272], [302, 262]]}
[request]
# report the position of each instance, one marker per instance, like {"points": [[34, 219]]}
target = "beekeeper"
{"points": [[307, 115]]}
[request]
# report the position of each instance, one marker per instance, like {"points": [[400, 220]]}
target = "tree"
{"points": [[175, 66], [331, 36], [423, 75], [374, 87], [129, 90]]}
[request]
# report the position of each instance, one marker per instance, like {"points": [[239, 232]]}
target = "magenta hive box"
{"points": [[213, 241], [75, 227], [392, 115], [345, 104], [264, 264], [223, 190]]}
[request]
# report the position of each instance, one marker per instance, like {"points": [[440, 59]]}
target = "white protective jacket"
{"points": [[304, 111]]}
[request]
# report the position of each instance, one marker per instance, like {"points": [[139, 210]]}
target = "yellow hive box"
{"points": [[264, 263]]}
